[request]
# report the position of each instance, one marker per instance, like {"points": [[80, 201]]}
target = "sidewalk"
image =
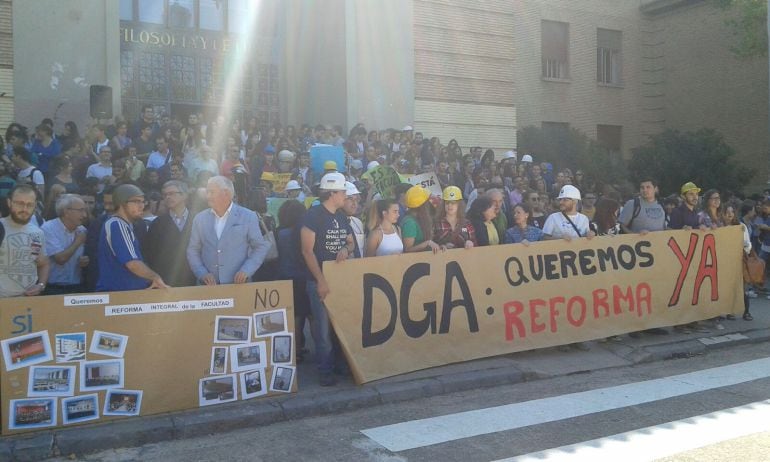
{"points": [[312, 400]]}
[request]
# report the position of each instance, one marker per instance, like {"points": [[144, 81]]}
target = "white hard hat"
{"points": [[569, 192], [356, 164], [372, 164], [526, 158], [408, 128], [285, 156], [350, 189], [292, 185], [334, 181], [509, 155]]}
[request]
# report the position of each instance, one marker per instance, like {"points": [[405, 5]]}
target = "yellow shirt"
{"points": [[494, 239]]}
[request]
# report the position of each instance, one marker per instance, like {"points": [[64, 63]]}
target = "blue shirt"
{"points": [[117, 246], [45, 154], [331, 233], [515, 235]]}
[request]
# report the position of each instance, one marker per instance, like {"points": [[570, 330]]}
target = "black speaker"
{"points": [[101, 102]]}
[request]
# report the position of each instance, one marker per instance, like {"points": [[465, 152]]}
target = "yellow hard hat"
{"points": [[689, 186], [267, 176], [452, 193], [416, 196], [330, 165]]}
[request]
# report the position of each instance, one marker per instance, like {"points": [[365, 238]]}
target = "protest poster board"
{"points": [[279, 181], [428, 181], [144, 352], [413, 311], [384, 178], [273, 205], [321, 153]]}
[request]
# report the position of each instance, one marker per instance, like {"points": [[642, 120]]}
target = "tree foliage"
{"points": [[748, 26], [573, 149], [674, 158]]}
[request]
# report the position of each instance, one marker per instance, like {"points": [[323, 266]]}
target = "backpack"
{"points": [[637, 211]]}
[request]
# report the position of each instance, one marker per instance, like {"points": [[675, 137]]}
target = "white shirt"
{"points": [[37, 177], [358, 233], [219, 222], [558, 227]]}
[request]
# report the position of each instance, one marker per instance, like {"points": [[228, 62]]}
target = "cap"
{"points": [[372, 164], [689, 186], [416, 196], [292, 185], [509, 155], [330, 165], [407, 128], [269, 149], [452, 193], [350, 189], [285, 156], [526, 158], [356, 164], [334, 181], [569, 192], [124, 192]]}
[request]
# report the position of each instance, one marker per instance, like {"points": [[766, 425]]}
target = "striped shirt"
{"points": [[117, 247]]}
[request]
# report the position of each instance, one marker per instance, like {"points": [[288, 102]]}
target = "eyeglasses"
{"points": [[136, 201], [24, 205], [79, 210], [171, 193]]}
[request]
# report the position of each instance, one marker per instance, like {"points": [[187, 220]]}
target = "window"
{"points": [[554, 43], [608, 57], [240, 15], [151, 11], [152, 76], [212, 14], [127, 10], [183, 78], [610, 137], [180, 14]]}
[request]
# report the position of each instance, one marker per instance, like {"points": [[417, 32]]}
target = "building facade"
{"points": [[474, 71]]}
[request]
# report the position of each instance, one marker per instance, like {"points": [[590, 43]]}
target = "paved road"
{"points": [[705, 408]]}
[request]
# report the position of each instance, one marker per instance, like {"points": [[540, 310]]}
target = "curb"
{"points": [[234, 416]]}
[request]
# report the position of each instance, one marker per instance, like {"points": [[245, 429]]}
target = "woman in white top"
{"points": [[384, 235]]}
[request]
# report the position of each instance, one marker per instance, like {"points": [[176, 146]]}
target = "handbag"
{"points": [[753, 269], [269, 236]]}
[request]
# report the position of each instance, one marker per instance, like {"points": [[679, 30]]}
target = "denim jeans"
{"points": [[321, 329]]}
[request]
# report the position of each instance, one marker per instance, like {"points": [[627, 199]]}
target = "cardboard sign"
{"points": [[428, 181], [414, 311], [273, 205], [143, 352], [384, 178], [279, 181], [321, 153]]}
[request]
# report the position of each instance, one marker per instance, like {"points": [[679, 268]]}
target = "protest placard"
{"points": [[384, 178], [428, 181], [321, 153], [420, 310]]}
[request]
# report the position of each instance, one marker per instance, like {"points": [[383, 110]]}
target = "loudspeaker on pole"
{"points": [[101, 102]]}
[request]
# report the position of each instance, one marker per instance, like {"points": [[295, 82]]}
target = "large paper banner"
{"points": [[321, 153], [402, 313], [384, 178], [428, 181], [68, 360]]}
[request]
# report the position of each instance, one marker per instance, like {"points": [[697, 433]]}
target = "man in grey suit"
{"points": [[226, 244]]}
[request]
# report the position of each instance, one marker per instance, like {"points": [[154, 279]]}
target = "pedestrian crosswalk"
{"points": [[645, 444]]}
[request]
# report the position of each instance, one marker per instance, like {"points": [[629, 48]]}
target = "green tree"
{"points": [[674, 158], [573, 149], [748, 26]]}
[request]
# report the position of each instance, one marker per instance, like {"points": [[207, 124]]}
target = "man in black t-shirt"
{"points": [[326, 236]]}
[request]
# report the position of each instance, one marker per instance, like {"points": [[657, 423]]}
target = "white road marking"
{"points": [[656, 442], [425, 432]]}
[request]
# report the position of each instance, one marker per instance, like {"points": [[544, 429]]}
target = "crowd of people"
{"points": [[158, 202]]}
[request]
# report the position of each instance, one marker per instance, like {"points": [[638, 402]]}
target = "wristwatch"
{"points": [[41, 285]]}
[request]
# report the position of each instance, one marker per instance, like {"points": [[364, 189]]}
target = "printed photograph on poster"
{"points": [[282, 346], [26, 350], [122, 402], [248, 356], [216, 390], [51, 381], [32, 413], [101, 375], [270, 322], [70, 347], [253, 384], [219, 360], [283, 378], [232, 329], [80, 408], [108, 344]]}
